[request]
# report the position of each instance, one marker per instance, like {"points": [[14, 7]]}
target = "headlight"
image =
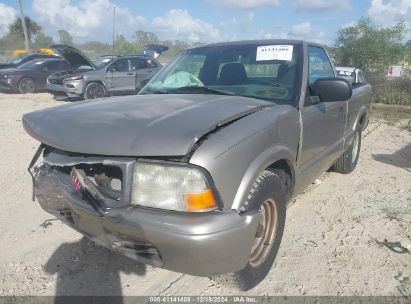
{"points": [[7, 76], [171, 187], [77, 77]]}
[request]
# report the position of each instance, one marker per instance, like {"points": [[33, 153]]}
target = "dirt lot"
{"points": [[337, 240]]}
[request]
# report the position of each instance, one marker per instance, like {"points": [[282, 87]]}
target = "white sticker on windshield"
{"points": [[106, 60], [275, 52]]}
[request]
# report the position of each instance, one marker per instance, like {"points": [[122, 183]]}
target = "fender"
{"points": [[263, 161], [363, 110]]}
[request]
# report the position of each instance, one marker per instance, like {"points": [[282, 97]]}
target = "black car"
{"points": [[23, 58], [31, 76]]}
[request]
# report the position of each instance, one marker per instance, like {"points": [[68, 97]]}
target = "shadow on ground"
{"points": [[401, 158], [84, 268]]}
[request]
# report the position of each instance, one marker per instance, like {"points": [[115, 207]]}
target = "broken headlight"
{"points": [[171, 187]]}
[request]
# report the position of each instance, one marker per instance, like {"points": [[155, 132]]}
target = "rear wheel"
{"points": [[267, 195], [347, 162], [27, 85], [94, 90]]}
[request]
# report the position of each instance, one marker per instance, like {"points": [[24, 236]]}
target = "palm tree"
{"points": [[16, 28]]}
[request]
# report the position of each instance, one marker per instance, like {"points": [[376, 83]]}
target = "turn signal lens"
{"points": [[201, 201]]}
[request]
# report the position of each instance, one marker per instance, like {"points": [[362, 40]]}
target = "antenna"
{"points": [[114, 15]]}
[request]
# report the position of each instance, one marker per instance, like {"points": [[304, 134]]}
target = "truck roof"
{"points": [[260, 41]]}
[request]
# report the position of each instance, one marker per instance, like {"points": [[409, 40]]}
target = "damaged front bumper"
{"points": [[202, 244]]}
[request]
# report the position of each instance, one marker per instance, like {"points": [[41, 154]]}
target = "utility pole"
{"points": [[114, 15], [23, 21]]}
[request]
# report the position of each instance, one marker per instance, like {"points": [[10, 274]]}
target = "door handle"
{"points": [[149, 71], [130, 74]]}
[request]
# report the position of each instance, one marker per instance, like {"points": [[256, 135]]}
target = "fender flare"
{"points": [[260, 163]]}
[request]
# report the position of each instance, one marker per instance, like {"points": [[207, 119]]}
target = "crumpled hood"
{"points": [[146, 125]]}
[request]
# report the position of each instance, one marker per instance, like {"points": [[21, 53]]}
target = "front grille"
{"points": [[56, 81]]}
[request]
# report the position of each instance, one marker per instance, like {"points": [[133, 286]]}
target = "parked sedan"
{"points": [[23, 58], [31, 76]]}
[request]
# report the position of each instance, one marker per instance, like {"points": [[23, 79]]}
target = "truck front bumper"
{"points": [[201, 244]]}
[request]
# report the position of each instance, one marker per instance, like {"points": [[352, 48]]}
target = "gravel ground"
{"points": [[345, 235]]}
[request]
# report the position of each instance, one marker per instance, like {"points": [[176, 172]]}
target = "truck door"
{"points": [[122, 75], [323, 122]]}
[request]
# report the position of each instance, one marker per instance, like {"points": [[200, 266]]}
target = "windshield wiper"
{"points": [[155, 91], [205, 90]]}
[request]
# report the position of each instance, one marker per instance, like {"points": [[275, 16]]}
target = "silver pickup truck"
{"points": [[194, 173]]}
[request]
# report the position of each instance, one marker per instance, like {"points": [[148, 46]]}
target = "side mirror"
{"points": [[44, 69], [111, 69], [331, 89]]}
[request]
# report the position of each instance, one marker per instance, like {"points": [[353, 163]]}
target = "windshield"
{"points": [[266, 72], [31, 64], [17, 59], [102, 62]]}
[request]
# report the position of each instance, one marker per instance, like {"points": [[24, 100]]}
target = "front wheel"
{"points": [[94, 90], [27, 85], [267, 195], [347, 162]]}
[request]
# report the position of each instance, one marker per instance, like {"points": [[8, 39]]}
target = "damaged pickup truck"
{"points": [[195, 172]]}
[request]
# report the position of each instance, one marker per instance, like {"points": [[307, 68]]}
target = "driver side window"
{"points": [[122, 65], [319, 66]]}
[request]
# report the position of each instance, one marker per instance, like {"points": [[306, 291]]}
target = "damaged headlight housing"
{"points": [[171, 187]]}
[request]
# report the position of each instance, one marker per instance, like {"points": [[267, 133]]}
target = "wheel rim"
{"points": [[95, 91], [27, 86], [266, 231], [355, 148]]}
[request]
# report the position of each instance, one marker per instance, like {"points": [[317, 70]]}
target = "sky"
{"points": [[206, 20]]}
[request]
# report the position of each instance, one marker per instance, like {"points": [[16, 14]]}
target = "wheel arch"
{"points": [[278, 158], [361, 119]]}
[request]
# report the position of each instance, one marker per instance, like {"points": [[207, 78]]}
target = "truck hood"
{"points": [[146, 125]]}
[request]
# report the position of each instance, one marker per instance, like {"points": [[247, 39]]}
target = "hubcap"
{"points": [[355, 148], [265, 233]]}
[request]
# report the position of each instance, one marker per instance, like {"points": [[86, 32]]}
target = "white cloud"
{"points": [[243, 4], [178, 24], [390, 12], [89, 19], [301, 31], [322, 5], [242, 23], [7, 16]]}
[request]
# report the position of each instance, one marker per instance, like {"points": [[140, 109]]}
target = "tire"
{"points": [[94, 90], [347, 162], [268, 195], [27, 85]]}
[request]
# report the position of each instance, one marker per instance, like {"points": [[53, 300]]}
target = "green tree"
{"points": [[124, 47], [16, 28], [369, 47], [143, 38], [42, 41], [65, 37]]}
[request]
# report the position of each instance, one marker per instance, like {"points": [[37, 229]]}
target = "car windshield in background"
{"points": [[102, 62], [31, 64], [17, 59], [266, 72]]}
